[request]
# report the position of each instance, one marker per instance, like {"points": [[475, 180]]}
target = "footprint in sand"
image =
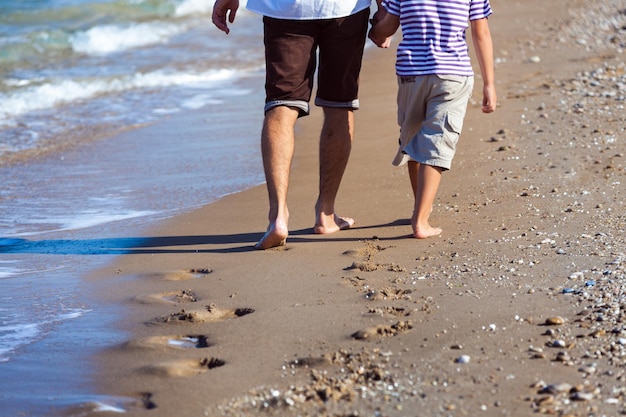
{"points": [[182, 275], [388, 293], [194, 273], [182, 367], [169, 297], [311, 362], [176, 342], [368, 264], [383, 330], [390, 311], [210, 313], [113, 404]]}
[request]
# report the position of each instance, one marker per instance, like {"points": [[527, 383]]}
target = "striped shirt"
{"points": [[433, 35], [307, 9]]}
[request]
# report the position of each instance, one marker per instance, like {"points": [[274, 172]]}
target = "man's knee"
{"points": [[338, 115]]}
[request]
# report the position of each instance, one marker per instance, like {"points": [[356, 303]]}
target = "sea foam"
{"points": [[54, 93], [189, 7], [15, 332], [107, 39]]}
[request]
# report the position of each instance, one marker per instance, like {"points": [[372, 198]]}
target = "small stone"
{"points": [[577, 275], [462, 359], [539, 384], [598, 333], [588, 369], [582, 396], [556, 388], [554, 321], [558, 343], [547, 400]]}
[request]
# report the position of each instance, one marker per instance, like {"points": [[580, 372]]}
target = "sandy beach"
{"points": [[517, 309]]}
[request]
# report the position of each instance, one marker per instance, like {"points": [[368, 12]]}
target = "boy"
{"points": [[435, 81]]}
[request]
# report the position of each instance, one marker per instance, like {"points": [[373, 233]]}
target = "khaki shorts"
{"points": [[291, 51], [431, 109]]}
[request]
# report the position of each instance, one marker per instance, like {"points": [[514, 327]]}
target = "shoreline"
{"points": [[328, 323]]}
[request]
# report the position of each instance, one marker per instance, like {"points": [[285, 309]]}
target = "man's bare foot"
{"points": [[426, 232], [331, 224], [274, 237]]}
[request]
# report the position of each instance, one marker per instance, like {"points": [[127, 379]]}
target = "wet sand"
{"points": [[516, 309]]}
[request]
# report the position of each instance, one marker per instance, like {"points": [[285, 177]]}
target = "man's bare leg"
{"points": [[425, 181], [277, 146], [335, 147]]}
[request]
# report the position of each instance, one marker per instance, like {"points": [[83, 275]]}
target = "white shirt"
{"points": [[307, 9]]}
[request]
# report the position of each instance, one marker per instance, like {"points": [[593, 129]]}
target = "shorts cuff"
{"points": [[301, 106], [352, 105], [401, 159]]}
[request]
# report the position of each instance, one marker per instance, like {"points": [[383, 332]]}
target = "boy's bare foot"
{"points": [[426, 232], [274, 237], [331, 224]]}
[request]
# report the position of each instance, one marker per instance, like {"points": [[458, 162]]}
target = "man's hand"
{"points": [[221, 10], [386, 20], [380, 42]]}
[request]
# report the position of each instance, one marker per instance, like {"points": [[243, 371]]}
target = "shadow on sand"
{"points": [[231, 243]]}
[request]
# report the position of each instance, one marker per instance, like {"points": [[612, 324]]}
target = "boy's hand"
{"points": [[380, 42], [489, 99]]}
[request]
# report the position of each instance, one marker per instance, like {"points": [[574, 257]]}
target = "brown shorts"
{"points": [[291, 48]]}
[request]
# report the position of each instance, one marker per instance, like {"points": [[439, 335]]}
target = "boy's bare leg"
{"points": [[425, 181], [277, 146], [413, 167], [335, 147]]}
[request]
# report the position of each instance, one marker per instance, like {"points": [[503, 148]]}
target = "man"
{"points": [[294, 31]]}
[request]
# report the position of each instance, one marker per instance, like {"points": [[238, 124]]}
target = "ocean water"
{"points": [[78, 182]]}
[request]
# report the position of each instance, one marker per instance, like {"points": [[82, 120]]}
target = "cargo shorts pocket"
{"points": [[453, 127]]}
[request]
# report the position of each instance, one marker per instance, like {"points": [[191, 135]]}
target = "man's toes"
{"points": [[345, 223]]}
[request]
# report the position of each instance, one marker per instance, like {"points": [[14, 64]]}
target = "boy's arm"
{"points": [[383, 29], [483, 45]]}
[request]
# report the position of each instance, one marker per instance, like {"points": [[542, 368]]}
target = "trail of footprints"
{"points": [[168, 343], [207, 313], [366, 263], [345, 375]]}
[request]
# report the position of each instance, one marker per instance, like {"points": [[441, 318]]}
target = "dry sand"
{"points": [[517, 308]]}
